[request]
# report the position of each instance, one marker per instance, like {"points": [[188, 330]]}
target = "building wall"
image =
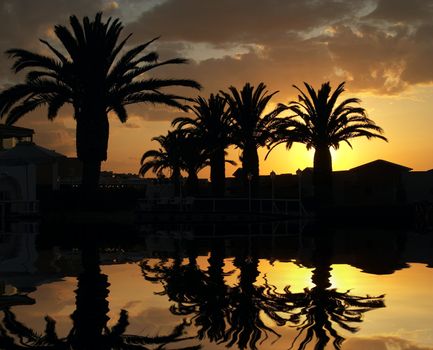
{"points": [[25, 178], [419, 186]]}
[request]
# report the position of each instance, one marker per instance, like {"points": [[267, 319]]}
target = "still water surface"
{"points": [[254, 287]]}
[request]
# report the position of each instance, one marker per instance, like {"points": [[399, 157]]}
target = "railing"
{"points": [[18, 207], [217, 205]]}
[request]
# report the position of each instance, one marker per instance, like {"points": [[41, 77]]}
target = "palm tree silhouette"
{"points": [[194, 157], [320, 123], [167, 156], [250, 128], [94, 79], [90, 330], [179, 150], [212, 124]]}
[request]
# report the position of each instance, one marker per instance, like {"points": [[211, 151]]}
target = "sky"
{"points": [[383, 49]]}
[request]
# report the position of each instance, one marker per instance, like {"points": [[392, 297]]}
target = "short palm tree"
{"points": [[92, 76], [250, 126], [166, 157], [212, 124], [179, 150], [194, 158], [320, 123]]}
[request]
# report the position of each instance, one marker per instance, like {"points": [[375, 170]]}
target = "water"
{"points": [[264, 286]]}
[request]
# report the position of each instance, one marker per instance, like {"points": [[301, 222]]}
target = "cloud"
{"points": [[237, 21], [380, 46], [58, 135], [402, 11], [132, 125], [383, 343]]}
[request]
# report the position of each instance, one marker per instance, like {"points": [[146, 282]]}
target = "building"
{"points": [[11, 135], [46, 162], [375, 183]]}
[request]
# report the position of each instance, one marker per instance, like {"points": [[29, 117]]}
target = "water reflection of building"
{"points": [[373, 250], [17, 264], [22, 267]]}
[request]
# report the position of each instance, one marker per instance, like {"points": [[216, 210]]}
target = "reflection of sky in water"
{"points": [[406, 320]]}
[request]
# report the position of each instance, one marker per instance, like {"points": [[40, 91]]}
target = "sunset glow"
{"points": [[376, 46]]}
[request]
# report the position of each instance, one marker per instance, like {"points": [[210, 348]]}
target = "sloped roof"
{"points": [[8, 131], [30, 152], [381, 164]]}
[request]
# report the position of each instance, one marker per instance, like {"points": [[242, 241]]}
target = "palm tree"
{"points": [[250, 127], [166, 157], [320, 122], [193, 159], [212, 124], [178, 151], [94, 79]]}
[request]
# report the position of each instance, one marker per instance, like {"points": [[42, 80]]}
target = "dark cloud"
{"points": [[402, 11], [238, 21], [23, 22]]}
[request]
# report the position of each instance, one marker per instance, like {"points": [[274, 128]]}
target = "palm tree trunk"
{"points": [[92, 143], [322, 177], [90, 175], [217, 173], [192, 184], [175, 178], [250, 165]]}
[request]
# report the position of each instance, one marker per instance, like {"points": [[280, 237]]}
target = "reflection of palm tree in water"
{"points": [[90, 330], [223, 314], [234, 315], [316, 311], [247, 301], [202, 294]]}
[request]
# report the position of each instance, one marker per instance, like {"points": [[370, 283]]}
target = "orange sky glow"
{"points": [[381, 48]]}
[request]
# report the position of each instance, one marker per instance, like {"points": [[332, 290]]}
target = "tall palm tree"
{"points": [[213, 125], [320, 123], [250, 126], [94, 78]]}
